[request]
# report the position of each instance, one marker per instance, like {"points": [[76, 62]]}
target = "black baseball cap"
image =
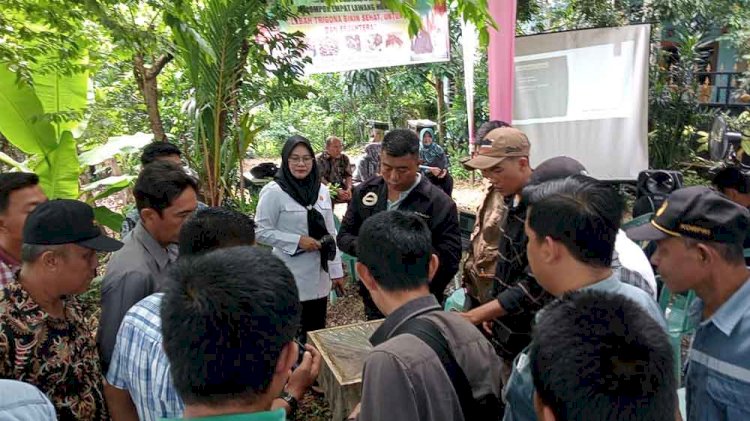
{"points": [[556, 168], [65, 221], [696, 212]]}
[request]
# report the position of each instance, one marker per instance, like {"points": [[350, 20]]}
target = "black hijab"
{"points": [[305, 191]]}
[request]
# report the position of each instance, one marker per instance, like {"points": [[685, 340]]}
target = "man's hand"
{"points": [[338, 285], [355, 412], [484, 313], [308, 243], [435, 171], [344, 195], [304, 376], [119, 403], [469, 316]]}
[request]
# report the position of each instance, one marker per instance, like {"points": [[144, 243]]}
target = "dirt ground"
{"points": [[346, 310]]}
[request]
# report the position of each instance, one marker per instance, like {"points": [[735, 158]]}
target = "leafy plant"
{"points": [[244, 205], [50, 37], [41, 120], [457, 170], [333, 190], [674, 106], [216, 43]]}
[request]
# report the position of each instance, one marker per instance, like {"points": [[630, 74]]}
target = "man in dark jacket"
{"points": [[400, 186]]}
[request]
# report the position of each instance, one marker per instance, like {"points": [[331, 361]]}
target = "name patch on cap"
{"points": [[696, 229]]}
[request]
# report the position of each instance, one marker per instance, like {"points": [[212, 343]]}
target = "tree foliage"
{"points": [[232, 55], [51, 36]]}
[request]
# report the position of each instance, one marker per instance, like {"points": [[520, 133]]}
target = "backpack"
{"points": [[487, 407]]}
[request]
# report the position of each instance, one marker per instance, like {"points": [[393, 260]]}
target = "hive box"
{"points": [[344, 350]]}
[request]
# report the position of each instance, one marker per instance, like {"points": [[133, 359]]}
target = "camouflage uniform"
{"points": [[479, 267]]}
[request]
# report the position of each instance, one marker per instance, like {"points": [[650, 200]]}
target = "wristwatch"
{"points": [[290, 400]]}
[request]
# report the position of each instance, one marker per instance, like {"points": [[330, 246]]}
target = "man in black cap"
{"points": [[45, 337], [699, 234]]}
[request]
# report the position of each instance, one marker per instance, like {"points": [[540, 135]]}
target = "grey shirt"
{"points": [[403, 377], [132, 275]]}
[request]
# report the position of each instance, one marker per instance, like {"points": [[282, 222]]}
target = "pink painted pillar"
{"points": [[500, 59]]}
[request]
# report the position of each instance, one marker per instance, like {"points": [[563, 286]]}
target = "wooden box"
{"points": [[344, 350]]}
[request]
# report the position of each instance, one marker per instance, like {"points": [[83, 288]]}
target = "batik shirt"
{"points": [[334, 170], [8, 267], [56, 355]]}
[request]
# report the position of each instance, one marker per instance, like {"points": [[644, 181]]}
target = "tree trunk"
{"points": [[151, 94], [10, 150], [145, 77], [235, 104], [439, 88]]}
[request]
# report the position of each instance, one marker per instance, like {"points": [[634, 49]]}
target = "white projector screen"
{"points": [[584, 94]]}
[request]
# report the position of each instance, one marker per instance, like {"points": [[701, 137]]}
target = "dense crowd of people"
{"points": [[198, 321]]}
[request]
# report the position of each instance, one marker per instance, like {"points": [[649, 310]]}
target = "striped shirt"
{"points": [[139, 364], [718, 376], [514, 285]]}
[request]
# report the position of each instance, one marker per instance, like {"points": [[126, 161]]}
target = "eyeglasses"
{"points": [[304, 159]]}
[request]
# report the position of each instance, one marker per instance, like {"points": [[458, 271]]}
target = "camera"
{"points": [[300, 353], [328, 247]]}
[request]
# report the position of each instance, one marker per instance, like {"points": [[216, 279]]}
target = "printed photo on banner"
{"points": [[352, 35]]}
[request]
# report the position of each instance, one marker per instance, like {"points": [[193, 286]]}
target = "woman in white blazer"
{"points": [[295, 217]]}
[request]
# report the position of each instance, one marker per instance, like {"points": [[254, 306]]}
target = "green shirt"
{"points": [[277, 415]]}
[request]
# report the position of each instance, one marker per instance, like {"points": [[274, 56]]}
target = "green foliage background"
{"points": [[105, 37]]}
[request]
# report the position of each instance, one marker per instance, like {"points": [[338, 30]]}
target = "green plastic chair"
{"points": [[637, 222], [676, 309], [347, 260]]}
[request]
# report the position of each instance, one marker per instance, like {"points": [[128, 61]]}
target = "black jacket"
{"points": [[432, 204]]}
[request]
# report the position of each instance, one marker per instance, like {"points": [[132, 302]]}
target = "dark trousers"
{"points": [[313, 317], [445, 184], [371, 310]]}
